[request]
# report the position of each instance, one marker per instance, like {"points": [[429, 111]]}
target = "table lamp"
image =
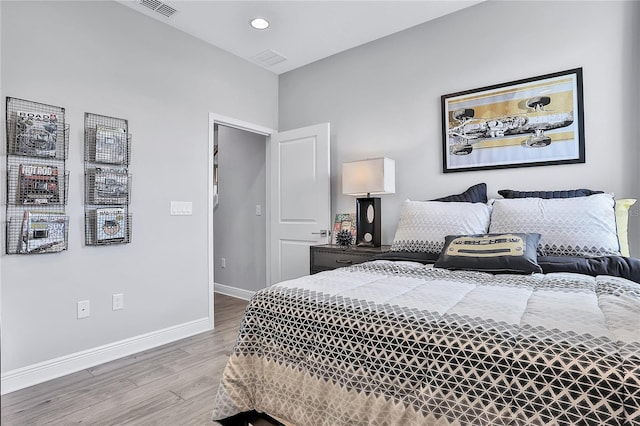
{"points": [[366, 177]]}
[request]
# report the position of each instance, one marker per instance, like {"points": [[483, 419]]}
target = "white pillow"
{"points": [[581, 226], [423, 225]]}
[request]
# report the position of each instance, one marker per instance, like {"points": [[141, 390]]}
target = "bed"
{"points": [[547, 334]]}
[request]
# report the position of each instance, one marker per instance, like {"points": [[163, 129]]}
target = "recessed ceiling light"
{"points": [[259, 23]]}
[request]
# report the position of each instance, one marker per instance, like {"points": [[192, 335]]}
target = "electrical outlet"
{"points": [[258, 210], [117, 302], [83, 309], [223, 262]]}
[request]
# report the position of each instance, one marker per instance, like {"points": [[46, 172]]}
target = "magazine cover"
{"points": [[38, 184], [36, 134], [111, 224], [43, 232], [344, 221], [111, 145], [111, 186]]}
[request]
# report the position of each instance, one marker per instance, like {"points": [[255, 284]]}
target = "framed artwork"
{"points": [[537, 121]]}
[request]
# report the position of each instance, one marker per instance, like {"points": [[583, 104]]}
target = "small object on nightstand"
{"points": [[344, 237], [331, 256]]}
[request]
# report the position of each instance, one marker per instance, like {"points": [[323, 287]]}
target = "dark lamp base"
{"points": [[368, 222]]}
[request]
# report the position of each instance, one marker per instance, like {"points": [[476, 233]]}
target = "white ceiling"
{"points": [[302, 31]]}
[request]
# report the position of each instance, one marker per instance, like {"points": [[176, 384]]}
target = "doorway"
{"points": [[239, 224], [297, 205], [217, 186]]}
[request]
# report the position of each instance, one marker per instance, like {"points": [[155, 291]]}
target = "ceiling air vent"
{"points": [[269, 58], [158, 6]]}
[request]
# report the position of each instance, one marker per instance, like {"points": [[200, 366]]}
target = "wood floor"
{"points": [[167, 386]]}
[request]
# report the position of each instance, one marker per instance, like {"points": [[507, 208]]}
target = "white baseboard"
{"points": [[23, 377], [233, 291]]}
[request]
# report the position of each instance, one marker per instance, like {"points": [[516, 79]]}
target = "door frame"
{"points": [[249, 127]]}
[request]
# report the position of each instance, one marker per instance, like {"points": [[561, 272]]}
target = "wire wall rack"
{"points": [[37, 179], [107, 181]]}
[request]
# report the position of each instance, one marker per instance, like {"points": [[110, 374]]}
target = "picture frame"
{"points": [[344, 221], [537, 121]]}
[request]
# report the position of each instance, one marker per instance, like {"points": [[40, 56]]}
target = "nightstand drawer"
{"points": [[329, 256], [335, 259]]}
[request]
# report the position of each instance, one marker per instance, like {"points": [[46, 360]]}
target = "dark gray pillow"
{"points": [[617, 266], [473, 194], [508, 253], [565, 193]]}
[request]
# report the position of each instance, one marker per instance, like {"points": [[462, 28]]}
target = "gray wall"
{"points": [[239, 234], [383, 98], [105, 58]]}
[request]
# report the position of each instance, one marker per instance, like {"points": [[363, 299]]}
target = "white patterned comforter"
{"points": [[398, 343]]}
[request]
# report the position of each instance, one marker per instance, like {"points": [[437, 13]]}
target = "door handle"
{"points": [[322, 233]]}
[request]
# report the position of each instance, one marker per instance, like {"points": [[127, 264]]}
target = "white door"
{"points": [[300, 198]]}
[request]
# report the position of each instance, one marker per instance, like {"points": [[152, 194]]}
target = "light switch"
{"points": [[181, 208]]}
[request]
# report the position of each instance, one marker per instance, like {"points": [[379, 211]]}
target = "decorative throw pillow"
{"points": [[423, 225], [581, 226], [509, 253], [474, 194], [565, 193], [622, 223]]}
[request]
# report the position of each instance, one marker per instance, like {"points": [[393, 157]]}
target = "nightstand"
{"points": [[331, 256]]}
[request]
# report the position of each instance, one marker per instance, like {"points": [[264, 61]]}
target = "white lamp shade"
{"points": [[372, 176]]}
